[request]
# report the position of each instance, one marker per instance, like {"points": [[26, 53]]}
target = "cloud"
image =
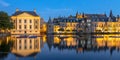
{"points": [[4, 4]]}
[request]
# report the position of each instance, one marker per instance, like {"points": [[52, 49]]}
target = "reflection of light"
{"points": [[70, 41], [109, 40], [56, 40], [26, 46]]}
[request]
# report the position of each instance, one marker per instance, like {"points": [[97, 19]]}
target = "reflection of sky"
{"points": [[55, 8]]}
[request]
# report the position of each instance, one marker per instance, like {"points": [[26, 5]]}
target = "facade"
{"points": [[63, 25], [43, 26], [97, 23], [85, 23], [25, 22]]}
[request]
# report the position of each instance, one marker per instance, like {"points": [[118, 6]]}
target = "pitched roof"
{"points": [[95, 15], [29, 12]]}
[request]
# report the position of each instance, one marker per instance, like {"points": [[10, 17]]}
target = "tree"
{"points": [[5, 23]]}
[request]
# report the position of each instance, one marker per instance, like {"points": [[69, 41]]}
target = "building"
{"points": [[97, 23], [43, 26], [25, 22], [50, 26], [63, 25], [90, 21]]}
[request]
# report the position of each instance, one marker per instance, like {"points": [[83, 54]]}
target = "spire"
{"points": [[111, 14]]}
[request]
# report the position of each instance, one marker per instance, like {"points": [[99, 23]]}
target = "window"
{"points": [[25, 21], [30, 41], [36, 21], [30, 21], [36, 27], [24, 26], [30, 26], [20, 47], [25, 47], [19, 41], [30, 47], [88, 20], [19, 26], [20, 21], [14, 21], [25, 42]]}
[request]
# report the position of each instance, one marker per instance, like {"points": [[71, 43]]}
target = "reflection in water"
{"points": [[31, 46], [24, 47], [85, 42], [5, 46]]}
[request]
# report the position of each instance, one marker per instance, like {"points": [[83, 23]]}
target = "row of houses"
{"points": [[29, 22], [85, 23]]}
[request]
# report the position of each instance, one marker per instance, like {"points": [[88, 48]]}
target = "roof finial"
{"points": [[17, 9], [34, 10]]}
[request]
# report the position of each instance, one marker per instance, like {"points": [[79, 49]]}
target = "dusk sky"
{"points": [[55, 8]]}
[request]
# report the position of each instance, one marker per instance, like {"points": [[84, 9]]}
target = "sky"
{"points": [[55, 8]]}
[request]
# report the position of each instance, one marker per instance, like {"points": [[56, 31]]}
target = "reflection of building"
{"points": [[26, 46], [25, 22], [112, 40]]}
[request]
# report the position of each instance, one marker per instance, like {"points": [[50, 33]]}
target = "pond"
{"points": [[61, 47]]}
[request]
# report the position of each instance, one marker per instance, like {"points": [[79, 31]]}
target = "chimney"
{"points": [[17, 9], [34, 10]]}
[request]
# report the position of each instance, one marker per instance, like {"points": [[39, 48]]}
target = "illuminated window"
{"points": [[30, 26], [19, 26]]}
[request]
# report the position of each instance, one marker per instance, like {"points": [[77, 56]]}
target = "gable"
{"points": [[25, 15]]}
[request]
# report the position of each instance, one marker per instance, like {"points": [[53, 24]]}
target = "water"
{"points": [[61, 47]]}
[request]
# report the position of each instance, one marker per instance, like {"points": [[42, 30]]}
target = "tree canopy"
{"points": [[5, 21]]}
